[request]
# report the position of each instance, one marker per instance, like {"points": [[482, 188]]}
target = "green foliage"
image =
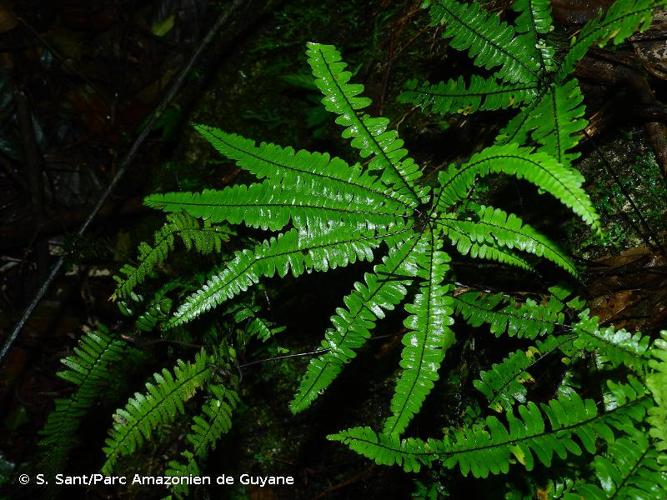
{"points": [[567, 425], [430, 337], [524, 320], [215, 421], [527, 72], [368, 134], [622, 19], [495, 227], [326, 213], [202, 236], [503, 384], [614, 347], [324, 248], [340, 214], [89, 369], [207, 429], [159, 405], [253, 325], [629, 469], [539, 169], [490, 42], [353, 325], [657, 383]]}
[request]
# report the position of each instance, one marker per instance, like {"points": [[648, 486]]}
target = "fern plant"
{"points": [[209, 381], [334, 214], [529, 71], [90, 369], [326, 213]]}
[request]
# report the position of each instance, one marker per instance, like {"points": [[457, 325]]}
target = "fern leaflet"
{"points": [[162, 401], [629, 469], [490, 42], [427, 340], [352, 325], [369, 134], [530, 435]]}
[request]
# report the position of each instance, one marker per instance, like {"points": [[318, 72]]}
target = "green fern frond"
{"points": [[454, 96], [188, 467], [254, 326], [496, 227], [203, 237], [369, 134], [554, 121], [158, 309], [533, 22], [467, 244], [160, 404], [332, 247], [657, 384], [612, 346], [622, 19], [383, 290], [540, 169], [272, 206], [490, 42], [293, 167], [428, 338], [88, 369], [503, 384], [629, 469], [529, 435], [527, 320], [215, 421]]}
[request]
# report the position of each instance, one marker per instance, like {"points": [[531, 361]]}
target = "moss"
{"points": [[633, 160]]}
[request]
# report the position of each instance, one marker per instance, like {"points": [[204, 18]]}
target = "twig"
{"points": [[129, 158], [309, 353], [285, 356]]}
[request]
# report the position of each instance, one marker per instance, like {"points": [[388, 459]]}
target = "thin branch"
{"points": [[129, 158], [309, 353]]}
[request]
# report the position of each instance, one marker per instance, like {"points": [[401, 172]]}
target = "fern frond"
{"points": [[269, 205], [629, 469], [160, 404], [88, 369], [186, 468], [293, 167], [540, 169], [657, 384], [490, 42], [531, 434], [533, 21], [254, 325], [157, 310], [622, 19], [554, 122], [332, 247], [203, 237], [503, 384], [427, 340], [496, 227], [454, 96], [612, 346], [369, 134], [215, 421], [383, 290], [466, 244], [527, 320]]}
